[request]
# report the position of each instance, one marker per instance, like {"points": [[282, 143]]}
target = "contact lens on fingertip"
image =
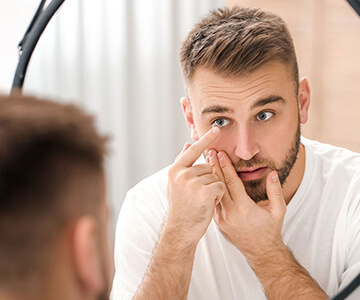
{"points": [[215, 129]]}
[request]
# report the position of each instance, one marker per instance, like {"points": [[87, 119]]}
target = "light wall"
{"points": [[118, 59], [327, 40]]}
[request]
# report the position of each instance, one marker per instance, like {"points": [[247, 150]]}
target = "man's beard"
{"points": [[256, 189]]}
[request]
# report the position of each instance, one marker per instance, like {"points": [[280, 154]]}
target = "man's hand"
{"points": [[255, 229], [193, 191], [251, 227]]}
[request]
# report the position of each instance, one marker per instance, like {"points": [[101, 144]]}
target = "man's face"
{"points": [[259, 119]]}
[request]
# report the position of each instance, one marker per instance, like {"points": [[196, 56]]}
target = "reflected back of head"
{"points": [[51, 171]]}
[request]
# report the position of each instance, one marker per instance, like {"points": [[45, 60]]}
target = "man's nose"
{"points": [[246, 144]]}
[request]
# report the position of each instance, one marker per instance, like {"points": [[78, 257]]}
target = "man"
{"points": [[268, 215], [53, 216]]}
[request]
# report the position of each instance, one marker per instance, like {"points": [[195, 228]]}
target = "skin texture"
{"points": [[258, 115]]}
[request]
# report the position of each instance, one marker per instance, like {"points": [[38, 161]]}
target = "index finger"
{"points": [[191, 155], [233, 182], [214, 162]]}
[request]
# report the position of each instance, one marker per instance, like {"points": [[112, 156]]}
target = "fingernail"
{"points": [[220, 155], [275, 178], [211, 154], [207, 159], [216, 130]]}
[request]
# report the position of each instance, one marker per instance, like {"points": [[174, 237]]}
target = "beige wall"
{"points": [[327, 40]]}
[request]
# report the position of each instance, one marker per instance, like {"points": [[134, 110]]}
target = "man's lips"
{"points": [[252, 173]]}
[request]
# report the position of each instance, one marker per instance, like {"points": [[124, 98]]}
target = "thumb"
{"points": [[274, 192]]}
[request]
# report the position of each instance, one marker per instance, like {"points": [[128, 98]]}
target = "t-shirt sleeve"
{"points": [[353, 242], [137, 232]]}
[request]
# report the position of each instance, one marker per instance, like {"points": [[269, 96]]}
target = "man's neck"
{"points": [[296, 175]]}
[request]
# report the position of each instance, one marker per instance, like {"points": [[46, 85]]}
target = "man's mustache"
{"points": [[253, 162]]}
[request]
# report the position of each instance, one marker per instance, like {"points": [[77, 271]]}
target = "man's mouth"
{"points": [[252, 173]]}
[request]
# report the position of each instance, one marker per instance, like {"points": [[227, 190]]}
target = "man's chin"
{"points": [[256, 190]]}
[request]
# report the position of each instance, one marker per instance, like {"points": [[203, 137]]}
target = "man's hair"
{"points": [[236, 41], [51, 172]]}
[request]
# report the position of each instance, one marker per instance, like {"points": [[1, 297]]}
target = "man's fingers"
{"points": [[218, 190], [208, 179], [190, 156], [186, 146], [201, 169], [274, 192], [232, 181], [214, 163]]}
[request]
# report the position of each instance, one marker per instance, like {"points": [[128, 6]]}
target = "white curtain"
{"points": [[118, 59]]}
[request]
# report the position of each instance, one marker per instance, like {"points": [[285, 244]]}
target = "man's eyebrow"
{"points": [[222, 109], [268, 100], [216, 109]]}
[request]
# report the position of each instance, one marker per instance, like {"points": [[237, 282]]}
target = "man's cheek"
{"points": [[222, 145]]}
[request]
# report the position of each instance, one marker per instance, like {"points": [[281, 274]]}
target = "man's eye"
{"points": [[264, 115], [220, 122]]}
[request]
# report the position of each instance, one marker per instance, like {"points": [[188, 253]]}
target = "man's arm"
{"points": [[255, 229], [193, 192], [169, 273], [281, 275]]}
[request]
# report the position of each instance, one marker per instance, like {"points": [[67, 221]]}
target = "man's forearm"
{"points": [[169, 273], [282, 276]]}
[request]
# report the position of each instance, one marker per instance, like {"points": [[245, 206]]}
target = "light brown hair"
{"points": [[236, 41], [51, 172]]}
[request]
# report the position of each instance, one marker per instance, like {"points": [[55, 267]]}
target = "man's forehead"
{"points": [[267, 83]]}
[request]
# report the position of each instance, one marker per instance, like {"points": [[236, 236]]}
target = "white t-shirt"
{"points": [[321, 227]]}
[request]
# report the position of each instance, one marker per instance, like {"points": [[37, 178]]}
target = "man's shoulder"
{"points": [[147, 196], [332, 155], [156, 182]]}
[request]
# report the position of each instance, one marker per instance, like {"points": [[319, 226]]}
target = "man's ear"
{"points": [[189, 117], [304, 99], [87, 259]]}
